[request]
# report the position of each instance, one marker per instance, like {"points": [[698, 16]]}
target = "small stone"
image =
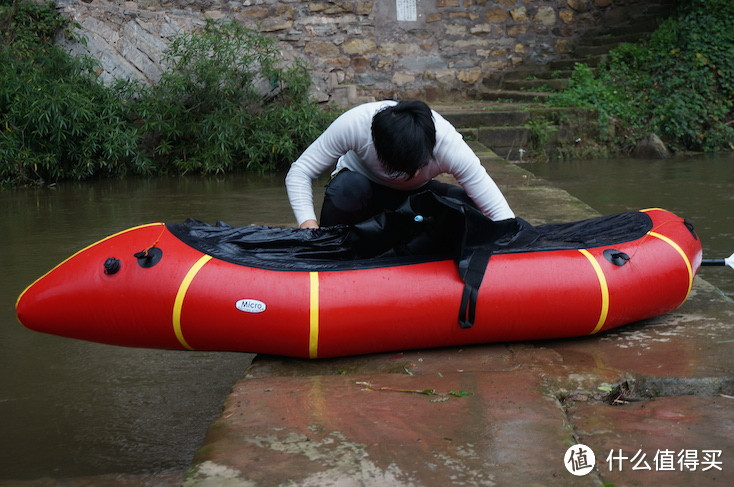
{"points": [[578, 5], [470, 76], [496, 14], [401, 79], [567, 15], [359, 46], [546, 16], [519, 14]]}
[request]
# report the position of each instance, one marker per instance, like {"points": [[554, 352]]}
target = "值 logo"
{"points": [[579, 459]]}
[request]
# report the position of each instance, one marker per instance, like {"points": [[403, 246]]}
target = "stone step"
{"points": [[623, 25], [494, 137], [592, 61], [521, 143], [542, 85], [518, 115], [522, 137], [515, 134], [511, 133], [586, 51], [637, 27], [514, 95], [490, 118], [598, 39], [537, 72]]}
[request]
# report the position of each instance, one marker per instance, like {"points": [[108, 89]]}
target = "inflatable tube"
{"points": [[150, 286]]}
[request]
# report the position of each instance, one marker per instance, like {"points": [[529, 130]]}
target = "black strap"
{"points": [[472, 271]]}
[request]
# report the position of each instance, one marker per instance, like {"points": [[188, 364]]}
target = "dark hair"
{"points": [[404, 136]]}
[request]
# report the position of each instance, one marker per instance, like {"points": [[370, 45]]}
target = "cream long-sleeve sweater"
{"points": [[348, 144]]}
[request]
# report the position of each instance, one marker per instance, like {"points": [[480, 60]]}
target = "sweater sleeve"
{"points": [[458, 159], [318, 158], [351, 131]]}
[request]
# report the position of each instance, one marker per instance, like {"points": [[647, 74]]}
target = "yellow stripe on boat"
{"points": [[82, 250], [181, 294], [672, 243], [313, 335], [604, 290]]}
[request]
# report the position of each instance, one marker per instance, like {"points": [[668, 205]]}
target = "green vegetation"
{"points": [[541, 131], [56, 120], [679, 84], [225, 104]]}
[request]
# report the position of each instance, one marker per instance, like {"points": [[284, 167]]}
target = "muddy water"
{"points": [[699, 188], [75, 409]]}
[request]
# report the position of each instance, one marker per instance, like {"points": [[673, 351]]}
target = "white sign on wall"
{"points": [[407, 11]]}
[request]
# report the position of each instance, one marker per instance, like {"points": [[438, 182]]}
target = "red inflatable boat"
{"points": [[184, 287]]}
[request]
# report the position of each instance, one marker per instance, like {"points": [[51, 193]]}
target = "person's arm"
{"points": [[459, 160], [350, 131], [318, 158]]}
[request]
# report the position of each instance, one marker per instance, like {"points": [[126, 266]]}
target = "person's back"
{"points": [[383, 152]]}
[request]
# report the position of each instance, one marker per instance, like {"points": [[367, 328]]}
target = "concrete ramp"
{"points": [[653, 401]]}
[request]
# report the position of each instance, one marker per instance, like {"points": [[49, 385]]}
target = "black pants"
{"points": [[352, 198]]}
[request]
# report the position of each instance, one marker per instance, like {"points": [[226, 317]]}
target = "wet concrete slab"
{"points": [[389, 429], [684, 440], [498, 414]]}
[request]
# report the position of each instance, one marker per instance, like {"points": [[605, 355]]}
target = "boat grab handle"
{"points": [[472, 271]]}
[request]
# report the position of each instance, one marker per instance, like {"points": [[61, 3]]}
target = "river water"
{"points": [[75, 409], [698, 188]]}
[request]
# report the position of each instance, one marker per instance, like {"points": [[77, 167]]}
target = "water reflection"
{"points": [[700, 189], [70, 408]]}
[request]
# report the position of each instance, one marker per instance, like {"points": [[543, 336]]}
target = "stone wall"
{"points": [[357, 48]]}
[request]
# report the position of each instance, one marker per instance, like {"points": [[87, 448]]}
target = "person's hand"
{"points": [[309, 224]]}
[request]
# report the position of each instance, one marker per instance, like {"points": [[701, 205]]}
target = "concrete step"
{"points": [[561, 64], [637, 27], [598, 39], [586, 51], [489, 118], [519, 143], [494, 137], [519, 114], [514, 133], [621, 24], [537, 72], [514, 95], [508, 131], [541, 85]]}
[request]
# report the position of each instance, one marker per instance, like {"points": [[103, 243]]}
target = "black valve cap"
{"points": [[616, 257], [149, 257], [111, 266]]}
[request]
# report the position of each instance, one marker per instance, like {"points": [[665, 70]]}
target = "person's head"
{"points": [[404, 136]]}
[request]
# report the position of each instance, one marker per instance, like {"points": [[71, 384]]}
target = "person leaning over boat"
{"points": [[383, 152]]}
